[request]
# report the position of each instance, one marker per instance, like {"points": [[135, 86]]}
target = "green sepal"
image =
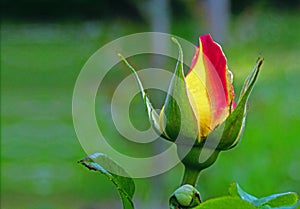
{"points": [[288, 200], [180, 120], [125, 185], [185, 196], [152, 114], [233, 126]]}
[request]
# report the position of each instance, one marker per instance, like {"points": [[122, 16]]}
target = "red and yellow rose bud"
{"points": [[200, 114], [204, 96], [205, 99], [206, 103]]}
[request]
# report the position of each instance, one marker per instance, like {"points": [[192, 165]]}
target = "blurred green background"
{"points": [[44, 45]]}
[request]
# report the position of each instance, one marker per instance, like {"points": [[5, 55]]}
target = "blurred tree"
{"points": [[157, 12], [217, 18]]}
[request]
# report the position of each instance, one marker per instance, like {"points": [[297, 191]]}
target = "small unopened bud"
{"points": [[185, 196]]}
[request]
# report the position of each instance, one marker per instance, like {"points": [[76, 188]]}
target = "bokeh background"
{"points": [[44, 45]]}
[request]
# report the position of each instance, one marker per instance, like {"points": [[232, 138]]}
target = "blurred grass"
{"points": [[39, 66]]}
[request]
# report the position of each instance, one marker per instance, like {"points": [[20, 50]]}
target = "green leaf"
{"points": [[179, 115], [265, 207], [152, 114], [235, 122], [236, 191], [288, 200], [227, 202], [124, 185]]}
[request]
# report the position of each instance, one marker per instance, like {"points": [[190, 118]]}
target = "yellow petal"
{"points": [[200, 102], [209, 86]]}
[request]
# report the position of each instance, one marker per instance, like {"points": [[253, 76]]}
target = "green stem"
{"points": [[190, 176]]}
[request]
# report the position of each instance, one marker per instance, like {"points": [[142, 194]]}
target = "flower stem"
{"points": [[190, 176]]}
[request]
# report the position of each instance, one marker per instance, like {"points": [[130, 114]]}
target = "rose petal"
{"points": [[208, 85]]}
